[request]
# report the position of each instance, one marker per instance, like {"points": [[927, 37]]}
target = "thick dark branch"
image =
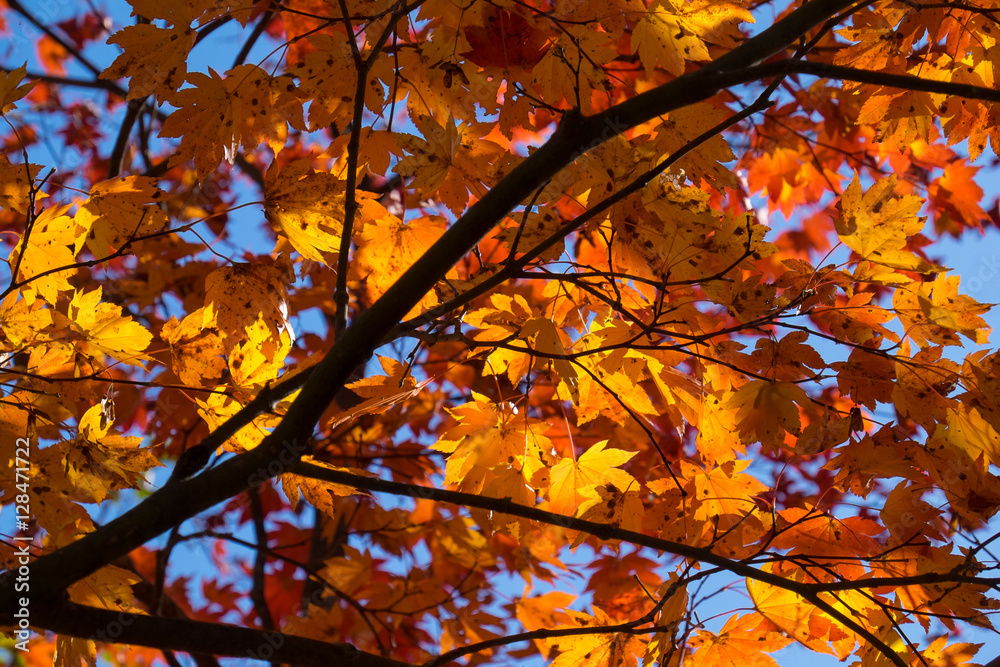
{"points": [[181, 634], [902, 82]]}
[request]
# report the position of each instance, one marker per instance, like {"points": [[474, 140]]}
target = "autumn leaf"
{"points": [[442, 162], [388, 247], [308, 208], [935, 313], [317, 493], [118, 212], [522, 278], [574, 481], [154, 58], [673, 32], [766, 411], [218, 114], [599, 649], [104, 329], [742, 640], [196, 347], [101, 460], [11, 88], [16, 181], [876, 225], [47, 262], [486, 436], [217, 408], [243, 293], [21, 322]]}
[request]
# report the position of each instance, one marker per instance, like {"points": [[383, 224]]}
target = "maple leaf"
{"points": [[103, 327], [308, 208], [876, 225], [598, 649], [935, 313], [47, 262], [11, 88], [21, 322], [101, 461], [260, 356], [387, 247], [243, 293], [15, 184], [447, 161], [154, 58], [606, 335], [799, 619], [119, 211], [487, 436], [718, 438], [743, 640], [327, 75], [673, 32], [218, 114], [196, 348], [319, 494], [574, 481], [767, 410], [217, 408], [70, 651]]}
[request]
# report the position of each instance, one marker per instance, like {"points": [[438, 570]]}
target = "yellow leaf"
{"points": [[100, 461], [317, 492], [260, 357], [934, 312], [573, 482], [600, 649], [70, 651], [155, 58], [767, 410], [21, 322], [876, 225], [718, 438], [49, 248], [725, 491], [217, 408], [743, 640], [546, 338], [327, 76], [308, 208], [119, 210], [11, 88], [659, 37], [243, 293], [104, 328], [794, 616], [217, 115], [108, 588], [707, 160], [674, 31], [446, 160], [488, 435], [621, 508], [15, 184], [388, 247], [196, 348]]}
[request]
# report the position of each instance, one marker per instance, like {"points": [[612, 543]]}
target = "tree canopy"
{"points": [[483, 331]]}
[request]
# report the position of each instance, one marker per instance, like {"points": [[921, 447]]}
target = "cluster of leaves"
{"points": [[593, 353]]}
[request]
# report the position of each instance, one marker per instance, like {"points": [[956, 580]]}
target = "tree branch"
{"points": [[182, 634]]}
